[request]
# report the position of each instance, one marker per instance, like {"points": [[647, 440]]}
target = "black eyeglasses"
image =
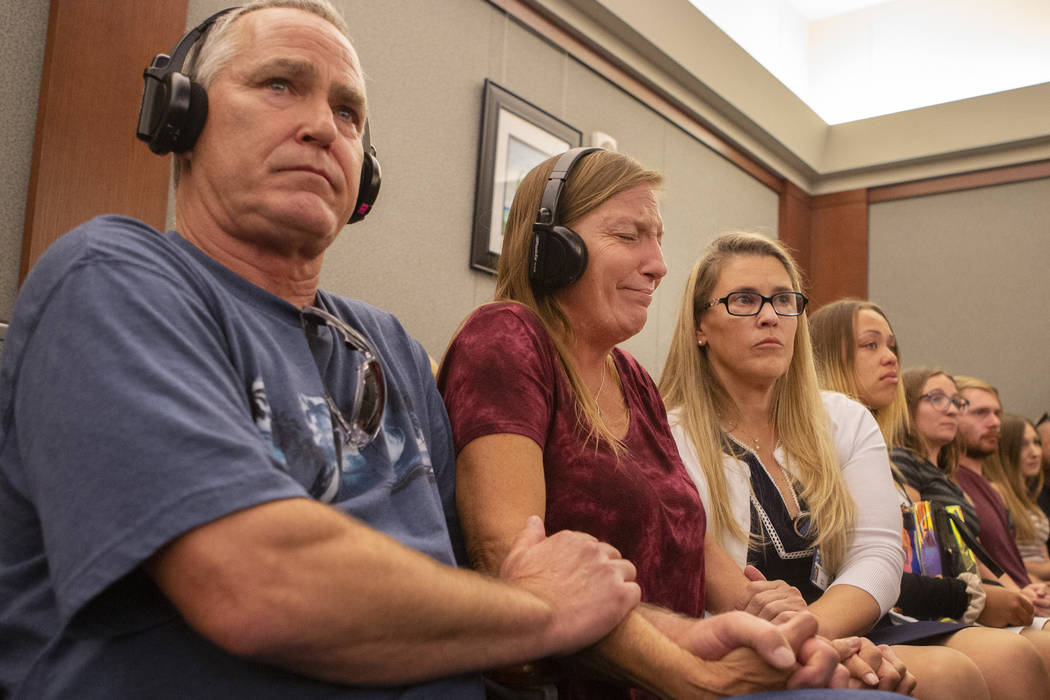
{"points": [[941, 402], [366, 413], [751, 303]]}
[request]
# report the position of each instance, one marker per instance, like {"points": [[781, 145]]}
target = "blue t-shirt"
{"points": [[145, 390]]}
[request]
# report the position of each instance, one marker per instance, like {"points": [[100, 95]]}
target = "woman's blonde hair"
{"points": [[1018, 492], [690, 385], [833, 329], [595, 179], [914, 380]]}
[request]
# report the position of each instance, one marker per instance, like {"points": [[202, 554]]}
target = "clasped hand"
{"points": [[587, 585], [867, 665]]}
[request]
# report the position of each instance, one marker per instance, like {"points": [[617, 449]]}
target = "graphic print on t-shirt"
{"points": [[302, 443]]}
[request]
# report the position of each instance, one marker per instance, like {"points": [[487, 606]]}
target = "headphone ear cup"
{"points": [[558, 257], [175, 114], [368, 187], [194, 116]]}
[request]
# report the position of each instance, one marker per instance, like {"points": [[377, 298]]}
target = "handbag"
{"points": [[937, 541]]}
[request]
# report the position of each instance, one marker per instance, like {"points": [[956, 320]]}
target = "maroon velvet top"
{"points": [[502, 375], [996, 534]]}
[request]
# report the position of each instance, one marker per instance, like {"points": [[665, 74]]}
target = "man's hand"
{"points": [[588, 586], [746, 654], [771, 600], [802, 659], [1003, 607]]}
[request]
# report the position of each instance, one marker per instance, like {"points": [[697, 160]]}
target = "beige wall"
{"points": [[965, 279]]}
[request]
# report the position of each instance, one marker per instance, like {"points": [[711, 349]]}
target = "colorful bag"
{"points": [[937, 542], [920, 540]]}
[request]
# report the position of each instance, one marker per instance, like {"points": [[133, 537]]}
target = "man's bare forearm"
{"points": [[299, 585]]}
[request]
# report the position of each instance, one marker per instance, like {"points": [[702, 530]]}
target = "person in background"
{"points": [[1042, 427], [1018, 477], [796, 482], [551, 418], [978, 437], [858, 354], [928, 458]]}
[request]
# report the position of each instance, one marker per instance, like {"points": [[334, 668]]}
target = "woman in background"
{"points": [[857, 354], [1018, 477]]}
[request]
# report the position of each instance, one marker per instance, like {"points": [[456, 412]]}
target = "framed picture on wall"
{"points": [[515, 137]]}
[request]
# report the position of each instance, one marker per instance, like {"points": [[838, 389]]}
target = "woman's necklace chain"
{"points": [[800, 521], [750, 442]]}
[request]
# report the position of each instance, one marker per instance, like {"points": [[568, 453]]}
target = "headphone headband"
{"points": [[548, 213], [182, 49]]}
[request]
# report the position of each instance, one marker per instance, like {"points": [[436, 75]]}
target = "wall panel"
{"points": [[964, 278], [86, 159]]}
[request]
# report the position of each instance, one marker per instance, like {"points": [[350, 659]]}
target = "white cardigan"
{"points": [[874, 559]]}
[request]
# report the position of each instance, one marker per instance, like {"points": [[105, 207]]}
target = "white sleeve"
{"points": [[739, 486], [874, 559]]}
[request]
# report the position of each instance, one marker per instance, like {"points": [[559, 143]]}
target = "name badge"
{"points": [[818, 576]]}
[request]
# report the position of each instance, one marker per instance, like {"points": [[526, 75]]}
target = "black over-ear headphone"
{"points": [[174, 109], [557, 254]]}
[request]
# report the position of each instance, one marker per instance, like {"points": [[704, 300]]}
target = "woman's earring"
{"points": [[700, 343]]}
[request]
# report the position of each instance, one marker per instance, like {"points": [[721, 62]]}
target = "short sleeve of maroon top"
{"points": [[501, 375]]}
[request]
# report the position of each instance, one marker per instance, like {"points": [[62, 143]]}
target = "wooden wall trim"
{"points": [[828, 234], [553, 29], [1035, 170], [794, 226], [86, 159]]}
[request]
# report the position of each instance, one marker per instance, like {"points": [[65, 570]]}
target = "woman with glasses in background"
{"points": [[857, 354], [1018, 477], [796, 482]]}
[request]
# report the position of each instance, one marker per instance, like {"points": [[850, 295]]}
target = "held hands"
{"points": [[873, 666], [755, 654], [588, 586], [867, 665]]}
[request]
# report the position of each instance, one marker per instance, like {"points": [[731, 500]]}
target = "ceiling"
{"points": [[856, 59], [856, 50]]}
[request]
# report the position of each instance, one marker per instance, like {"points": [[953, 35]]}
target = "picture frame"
{"points": [[516, 135]]}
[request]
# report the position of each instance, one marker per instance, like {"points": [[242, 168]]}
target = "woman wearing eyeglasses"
{"points": [[796, 482], [926, 454], [857, 354], [551, 418], [1018, 477]]}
